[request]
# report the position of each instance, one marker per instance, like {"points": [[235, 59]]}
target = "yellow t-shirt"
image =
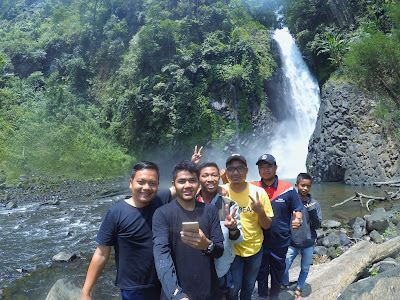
{"points": [[252, 231]]}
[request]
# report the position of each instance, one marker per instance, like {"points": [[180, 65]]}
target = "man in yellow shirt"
{"points": [[255, 213]]}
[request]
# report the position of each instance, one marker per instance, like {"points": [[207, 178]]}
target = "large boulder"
{"points": [[385, 285], [64, 290], [378, 220], [349, 144]]}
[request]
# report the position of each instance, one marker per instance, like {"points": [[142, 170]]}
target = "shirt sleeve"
{"points": [[216, 234], [162, 258], [165, 196], [315, 214], [107, 235]]}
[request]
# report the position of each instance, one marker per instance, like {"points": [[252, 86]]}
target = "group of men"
{"points": [[242, 236]]}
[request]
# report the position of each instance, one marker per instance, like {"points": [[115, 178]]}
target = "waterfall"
{"points": [[289, 144]]}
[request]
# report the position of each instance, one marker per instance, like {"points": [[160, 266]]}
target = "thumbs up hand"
{"points": [[296, 223]]}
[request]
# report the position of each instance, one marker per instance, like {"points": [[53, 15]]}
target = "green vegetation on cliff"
{"points": [[87, 86]]}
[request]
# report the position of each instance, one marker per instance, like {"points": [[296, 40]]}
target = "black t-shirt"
{"points": [[128, 229], [180, 266]]}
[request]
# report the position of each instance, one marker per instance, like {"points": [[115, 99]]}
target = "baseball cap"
{"points": [[236, 156], [268, 158]]}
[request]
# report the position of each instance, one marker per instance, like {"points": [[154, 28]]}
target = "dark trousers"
{"points": [[273, 263]]}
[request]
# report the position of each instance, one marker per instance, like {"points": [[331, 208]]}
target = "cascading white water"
{"points": [[290, 143]]}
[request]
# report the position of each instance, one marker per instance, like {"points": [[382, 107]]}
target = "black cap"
{"points": [[236, 157], [268, 158]]}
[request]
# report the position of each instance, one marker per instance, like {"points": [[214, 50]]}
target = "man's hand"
{"points": [[296, 223], [196, 157], [256, 204], [309, 205], [86, 297], [195, 240], [222, 191], [230, 221], [224, 178]]}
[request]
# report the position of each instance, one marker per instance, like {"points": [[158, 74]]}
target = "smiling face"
{"points": [[304, 187], [144, 187], [186, 185], [267, 171], [236, 171], [209, 179]]}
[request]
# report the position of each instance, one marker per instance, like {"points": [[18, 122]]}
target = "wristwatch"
{"points": [[209, 249], [301, 220], [233, 229]]}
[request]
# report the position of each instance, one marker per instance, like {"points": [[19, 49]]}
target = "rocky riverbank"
{"points": [[52, 190]]}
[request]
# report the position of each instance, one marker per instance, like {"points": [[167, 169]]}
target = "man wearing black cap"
{"points": [[285, 203], [255, 214]]}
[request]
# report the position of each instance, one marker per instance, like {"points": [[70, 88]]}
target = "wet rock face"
{"points": [[349, 145]]}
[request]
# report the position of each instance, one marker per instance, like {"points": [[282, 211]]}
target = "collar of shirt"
{"points": [[274, 185]]}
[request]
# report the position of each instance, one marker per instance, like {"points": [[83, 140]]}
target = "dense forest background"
{"points": [[87, 87]]}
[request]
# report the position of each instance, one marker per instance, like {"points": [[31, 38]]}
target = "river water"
{"points": [[31, 234]]}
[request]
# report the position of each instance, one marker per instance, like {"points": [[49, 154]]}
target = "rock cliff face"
{"points": [[348, 144]]}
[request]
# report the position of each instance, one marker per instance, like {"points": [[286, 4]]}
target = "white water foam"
{"points": [[290, 144]]}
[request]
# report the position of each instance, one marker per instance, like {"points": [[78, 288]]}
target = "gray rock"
{"points": [[396, 207], [382, 286], [64, 256], [376, 237], [387, 264], [331, 240], [320, 250], [64, 290], [359, 228], [11, 205], [344, 240], [330, 224], [378, 220], [343, 148]]}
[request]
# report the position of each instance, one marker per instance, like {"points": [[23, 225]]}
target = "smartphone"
{"points": [[190, 227]]}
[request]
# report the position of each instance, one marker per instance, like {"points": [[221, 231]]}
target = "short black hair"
{"points": [[208, 165], [303, 176], [145, 165], [185, 165]]}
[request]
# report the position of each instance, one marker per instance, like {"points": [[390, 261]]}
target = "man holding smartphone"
{"points": [[185, 260]]}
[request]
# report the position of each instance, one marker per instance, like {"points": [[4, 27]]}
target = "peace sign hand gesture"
{"points": [[256, 204], [230, 221], [196, 157]]}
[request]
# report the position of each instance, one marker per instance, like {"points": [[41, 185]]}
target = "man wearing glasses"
{"points": [[255, 214]]}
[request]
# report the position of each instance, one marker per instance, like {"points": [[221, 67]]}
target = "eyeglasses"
{"points": [[233, 169]]}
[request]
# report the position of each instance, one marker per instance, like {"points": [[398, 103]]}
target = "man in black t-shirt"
{"points": [[185, 260], [127, 227]]}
